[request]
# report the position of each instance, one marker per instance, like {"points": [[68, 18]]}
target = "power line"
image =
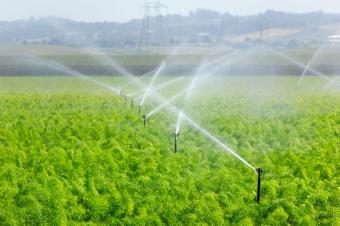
{"points": [[152, 32]]}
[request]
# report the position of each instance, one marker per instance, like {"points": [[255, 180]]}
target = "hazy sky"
{"points": [[124, 10]]}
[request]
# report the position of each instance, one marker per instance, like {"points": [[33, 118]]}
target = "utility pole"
{"points": [[152, 32]]}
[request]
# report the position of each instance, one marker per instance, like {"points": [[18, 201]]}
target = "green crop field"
{"points": [[74, 153]]}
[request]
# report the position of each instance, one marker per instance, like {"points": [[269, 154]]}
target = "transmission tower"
{"points": [[152, 32]]}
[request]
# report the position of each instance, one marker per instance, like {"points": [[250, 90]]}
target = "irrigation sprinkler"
{"points": [[159, 98], [176, 135], [139, 109], [144, 119], [259, 173], [132, 102]]}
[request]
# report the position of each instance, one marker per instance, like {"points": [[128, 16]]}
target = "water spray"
{"points": [[166, 103], [160, 87], [259, 173], [159, 98], [301, 65], [149, 88], [309, 64], [176, 136]]}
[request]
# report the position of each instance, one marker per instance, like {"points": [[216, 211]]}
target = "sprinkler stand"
{"points": [[144, 118], [259, 173], [139, 108], [176, 135], [132, 102]]}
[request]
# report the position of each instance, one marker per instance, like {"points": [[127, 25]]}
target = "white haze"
{"points": [[121, 11]]}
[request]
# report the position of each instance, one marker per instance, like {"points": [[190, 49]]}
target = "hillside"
{"points": [[203, 27]]}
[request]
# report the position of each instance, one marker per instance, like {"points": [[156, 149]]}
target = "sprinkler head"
{"points": [[176, 135]]}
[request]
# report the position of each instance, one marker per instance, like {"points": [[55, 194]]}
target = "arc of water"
{"points": [[179, 121], [60, 67], [201, 69], [139, 78], [166, 103], [192, 122], [206, 133], [162, 86], [311, 61], [301, 65], [109, 62], [116, 66], [160, 68], [334, 81], [199, 76], [188, 94], [112, 63], [217, 141]]}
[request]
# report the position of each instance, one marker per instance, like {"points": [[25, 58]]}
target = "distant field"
{"points": [[14, 54], [30, 60], [72, 152]]}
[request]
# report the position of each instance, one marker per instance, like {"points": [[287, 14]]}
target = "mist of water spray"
{"points": [[166, 103], [65, 69], [301, 65], [188, 94], [162, 86], [111, 63], [333, 82], [148, 90], [179, 121], [139, 78], [62, 68], [311, 61], [204, 71], [108, 61], [217, 141]]}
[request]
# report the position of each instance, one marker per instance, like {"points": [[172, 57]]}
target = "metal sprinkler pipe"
{"points": [[176, 135], [132, 102], [259, 173], [144, 119], [139, 109]]}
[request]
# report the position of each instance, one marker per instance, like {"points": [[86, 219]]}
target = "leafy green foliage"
{"points": [[70, 157]]}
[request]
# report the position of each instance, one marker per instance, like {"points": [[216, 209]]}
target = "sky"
{"points": [[124, 10]]}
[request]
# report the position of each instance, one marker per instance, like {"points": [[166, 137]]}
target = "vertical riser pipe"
{"points": [[258, 196]]}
